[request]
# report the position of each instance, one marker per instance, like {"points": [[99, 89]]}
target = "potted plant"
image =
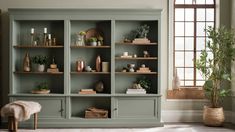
{"points": [[40, 60], [92, 41], [145, 83], [216, 72], [142, 31], [41, 88]]}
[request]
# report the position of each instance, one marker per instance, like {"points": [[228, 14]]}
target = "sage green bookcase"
{"points": [[63, 106]]}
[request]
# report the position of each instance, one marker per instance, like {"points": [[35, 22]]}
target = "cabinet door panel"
{"points": [[135, 107], [51, 107]]}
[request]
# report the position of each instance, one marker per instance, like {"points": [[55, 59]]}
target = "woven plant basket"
{"points": [[213, 116]]}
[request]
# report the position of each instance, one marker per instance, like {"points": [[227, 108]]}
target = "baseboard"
{"points": [[189, 116]]}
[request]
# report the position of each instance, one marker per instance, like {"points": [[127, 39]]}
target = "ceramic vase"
{"points": [[98, 64]]}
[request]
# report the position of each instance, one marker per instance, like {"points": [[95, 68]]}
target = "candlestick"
{"points": [[32, 30], [49, 40], [45, 30], [45, 39]]}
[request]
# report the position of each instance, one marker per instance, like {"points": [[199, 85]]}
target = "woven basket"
{"points": [[213, 116]]}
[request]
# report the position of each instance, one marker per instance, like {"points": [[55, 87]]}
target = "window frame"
{"points": [[195, 36]]}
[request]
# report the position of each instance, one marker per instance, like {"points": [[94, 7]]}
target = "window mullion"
{"points": [[195, 46]]}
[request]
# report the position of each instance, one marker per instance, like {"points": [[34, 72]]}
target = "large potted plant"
{"points": [[216, 71]]}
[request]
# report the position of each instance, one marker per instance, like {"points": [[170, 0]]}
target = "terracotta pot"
{"points": [[213, 116]]}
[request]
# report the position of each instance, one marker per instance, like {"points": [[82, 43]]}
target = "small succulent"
{"points": [[92, 39], [42, 86]]}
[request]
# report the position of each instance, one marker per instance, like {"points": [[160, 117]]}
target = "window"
{"points": [[191, 17]]}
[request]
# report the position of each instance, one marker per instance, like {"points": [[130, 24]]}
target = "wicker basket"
{"points": [[213, 116]]}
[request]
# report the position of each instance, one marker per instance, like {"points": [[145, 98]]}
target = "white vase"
{"points": [[41, 68], [93, 43]]}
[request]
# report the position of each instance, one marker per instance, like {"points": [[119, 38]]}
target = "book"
{"points": [[87, 92], [136, 91]]}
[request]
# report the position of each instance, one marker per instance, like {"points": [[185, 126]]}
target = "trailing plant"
{"points": [[216, 70], [40, 59]]}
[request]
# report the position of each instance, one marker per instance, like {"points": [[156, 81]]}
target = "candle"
{"points": [[32, 30], [49, 36], [45, 30]]}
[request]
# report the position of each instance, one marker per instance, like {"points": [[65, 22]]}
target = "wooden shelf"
{"points": [[141, 44], [38, 95], [50, 73], [138, 58], [136, 73], [91, 47], [90, 73], [139, 95], [90, 95], [30, 46]]}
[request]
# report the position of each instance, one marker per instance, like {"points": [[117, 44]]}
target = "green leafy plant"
{"points": [[216, 70], [40, 59], [144, 83], [92, 39], [42, 86], [142, 31]]}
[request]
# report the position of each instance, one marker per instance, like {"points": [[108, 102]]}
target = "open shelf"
{"points": [[40, 46], [40, 73], [38, 95], [80, 104], [136, 95], [88, 47], [136, 73], [140, 44], [89, 73], [137, 58], [90, 95]]}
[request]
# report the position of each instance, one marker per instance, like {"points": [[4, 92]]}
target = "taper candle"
{"points": [[45, 30]]}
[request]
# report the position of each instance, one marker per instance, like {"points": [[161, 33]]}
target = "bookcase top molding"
{"points": [[86, 14]]}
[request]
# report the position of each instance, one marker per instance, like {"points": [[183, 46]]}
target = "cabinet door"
{"points": [[51, 107], [133, 107]]}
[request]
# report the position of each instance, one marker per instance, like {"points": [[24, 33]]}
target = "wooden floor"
{"points": [[169, 127]]}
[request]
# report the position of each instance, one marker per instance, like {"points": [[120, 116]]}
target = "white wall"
{"points": [[159, 4]]}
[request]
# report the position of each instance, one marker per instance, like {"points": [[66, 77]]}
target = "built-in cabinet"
{"points": [[63, 106]]}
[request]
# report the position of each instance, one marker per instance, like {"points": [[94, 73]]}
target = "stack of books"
{"points": [[143, 69], [87, 91], [140, 41], [136, 91]]}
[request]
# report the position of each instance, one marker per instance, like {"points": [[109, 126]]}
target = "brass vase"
{"points": [[80, 65]]}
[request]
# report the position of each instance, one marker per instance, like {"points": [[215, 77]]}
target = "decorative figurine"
{"points": [[146, 54], [26, 64], [131, 67], [100, 40], [53, 66]]}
